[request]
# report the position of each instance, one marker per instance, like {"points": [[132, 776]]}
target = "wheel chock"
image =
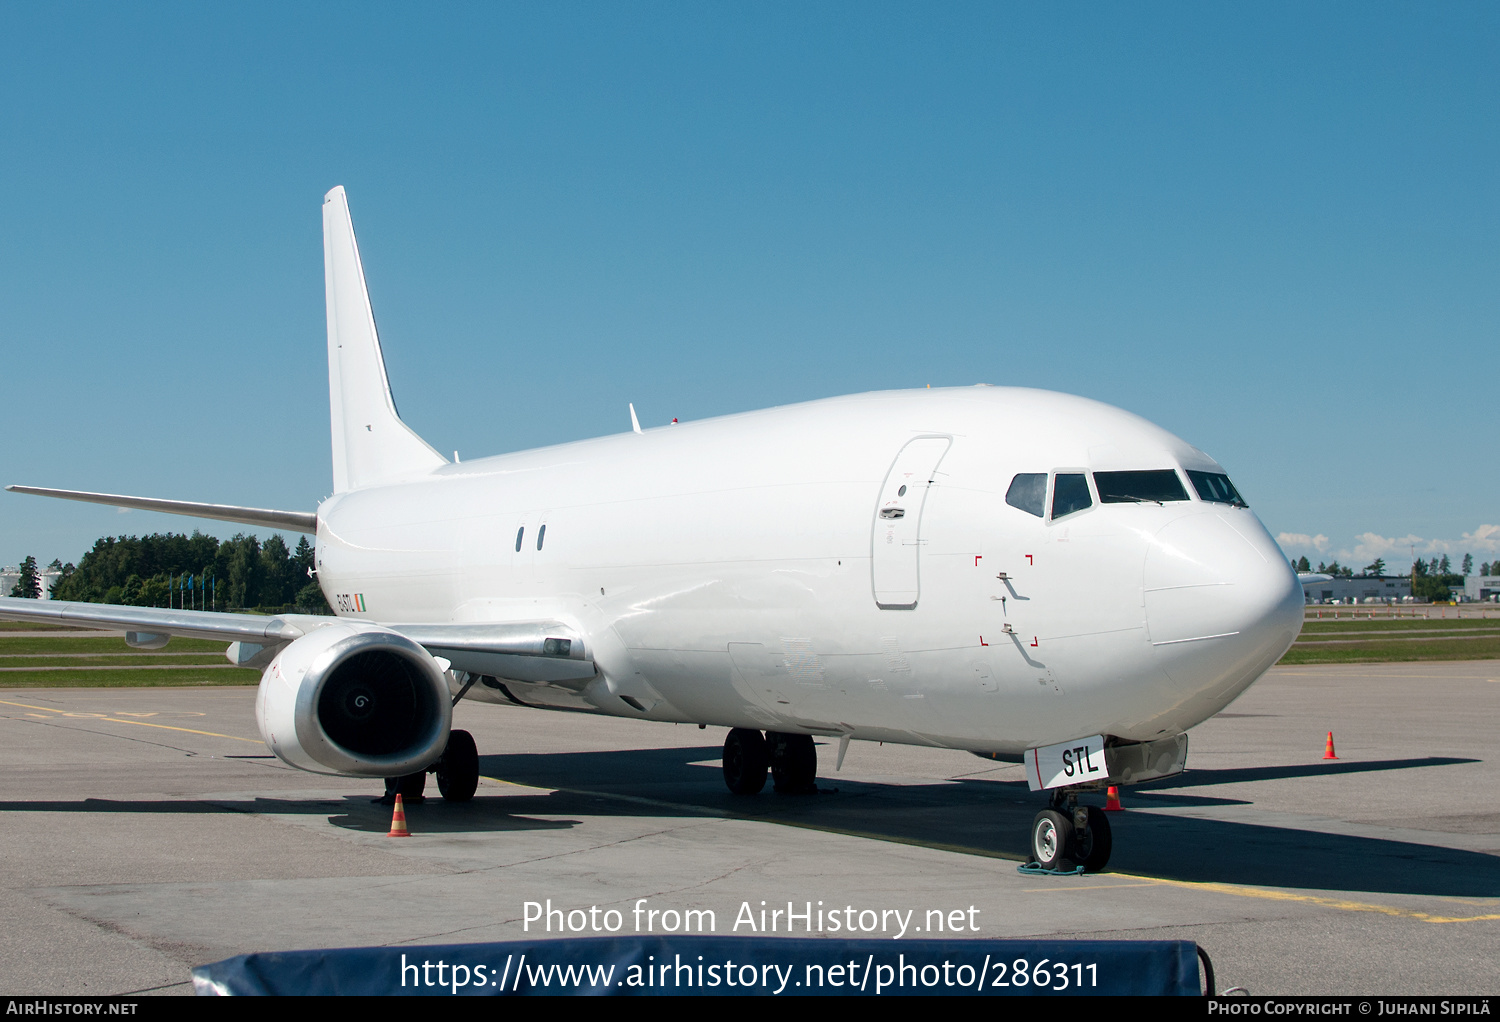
{"points": [[1037, 869]]}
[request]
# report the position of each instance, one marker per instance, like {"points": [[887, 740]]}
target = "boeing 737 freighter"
{"points": [[1017, 573]]}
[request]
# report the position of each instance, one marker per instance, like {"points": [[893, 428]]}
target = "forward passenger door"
{"points": [[896, 533]]}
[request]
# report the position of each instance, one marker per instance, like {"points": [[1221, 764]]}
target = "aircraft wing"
{"points": [[542, 652], [190, 624]]}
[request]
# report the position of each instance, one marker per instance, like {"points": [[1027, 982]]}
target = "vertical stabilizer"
{"points": [[371, 445]]}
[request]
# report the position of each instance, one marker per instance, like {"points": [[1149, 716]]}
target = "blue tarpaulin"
{"points": [[697, 966]]}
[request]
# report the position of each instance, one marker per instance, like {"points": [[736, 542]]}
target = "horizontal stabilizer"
{"points": [[295, 521]]}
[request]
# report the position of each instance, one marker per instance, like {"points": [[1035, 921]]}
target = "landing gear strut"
{"points": [[1069, 835], [457, 771], [409, 787]]}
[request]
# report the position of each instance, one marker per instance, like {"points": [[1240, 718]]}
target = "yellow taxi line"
{"points": [[142, 723], [1341, 904]]}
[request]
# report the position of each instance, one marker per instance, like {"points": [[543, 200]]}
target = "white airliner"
{"points": [[1018, 573]]}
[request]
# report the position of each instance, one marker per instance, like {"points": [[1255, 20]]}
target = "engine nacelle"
{"points": [[355, 698]]}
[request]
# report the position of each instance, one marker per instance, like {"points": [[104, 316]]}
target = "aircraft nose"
{"points": [[1222, 604]]}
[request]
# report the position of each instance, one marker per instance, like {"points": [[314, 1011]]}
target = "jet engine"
{"points": [[355, 698]]}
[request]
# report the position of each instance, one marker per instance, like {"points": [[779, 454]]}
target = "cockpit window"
{"points": [[1028, 491], [1070, 493], [1216, 488], [1155, 487]]}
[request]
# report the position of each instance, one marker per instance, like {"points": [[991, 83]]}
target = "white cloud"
{"points": [[1302, 541], [1370, 545], [1367, 546], [1486, 538]]}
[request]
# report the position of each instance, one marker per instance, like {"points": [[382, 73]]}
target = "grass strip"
{"points": [[101, 644], [32, 626], [116, 661], [150, 678], [1393, 651], [1384, 624]]}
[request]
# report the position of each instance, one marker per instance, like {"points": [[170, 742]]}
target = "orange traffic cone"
{"points": [[1329, 754], [398, 821], [1112, 800]]}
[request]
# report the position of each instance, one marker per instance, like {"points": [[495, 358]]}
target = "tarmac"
{"points": [[146, 831]]}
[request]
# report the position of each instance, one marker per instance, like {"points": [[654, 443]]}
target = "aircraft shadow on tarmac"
{"points": [[490, 814], [967, 815], [993, 818], [352, 812]]}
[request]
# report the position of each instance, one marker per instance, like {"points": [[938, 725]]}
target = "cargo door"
{"points": [[896, 536]]}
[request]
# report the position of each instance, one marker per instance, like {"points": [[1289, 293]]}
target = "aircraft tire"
{"points": [[1052, 840], [458, 769], [794, 763], [745, 761], [1095, 844]]}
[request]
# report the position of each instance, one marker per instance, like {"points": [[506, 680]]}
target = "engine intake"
{"points": [[355, 698]]}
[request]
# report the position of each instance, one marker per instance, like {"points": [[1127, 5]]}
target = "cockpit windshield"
{"points": [[1070, 492], [1154, 487], [1216, 488], [1028, 491]]}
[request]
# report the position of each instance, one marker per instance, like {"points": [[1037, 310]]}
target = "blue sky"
{"points": [[1269, 228]]}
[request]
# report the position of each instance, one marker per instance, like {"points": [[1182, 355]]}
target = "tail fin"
{"points": [[371, 445]]}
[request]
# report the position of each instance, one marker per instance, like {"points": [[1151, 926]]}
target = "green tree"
{"points": [[59, 584], [278, 584], [1302, 564], [153, 592], [304, 558], [148, 571], [1375, 567], [244, 571], [29, 585], [310, 600], [1468, 565]]}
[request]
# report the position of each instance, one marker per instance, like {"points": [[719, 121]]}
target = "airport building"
{"points": [[1482, 587], [11, 575], [1359, 589]]}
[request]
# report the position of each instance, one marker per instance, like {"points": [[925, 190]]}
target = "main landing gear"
{"points": [[1069, 835], [457, 771], [791, 760]]}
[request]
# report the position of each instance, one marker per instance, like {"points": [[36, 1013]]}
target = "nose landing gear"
{"points": [[1068, 835]]}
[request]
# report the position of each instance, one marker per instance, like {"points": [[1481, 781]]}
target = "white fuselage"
{"points": [[739, 571]]}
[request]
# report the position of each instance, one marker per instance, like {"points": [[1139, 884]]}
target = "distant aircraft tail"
{"points": [[371, 445]]}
